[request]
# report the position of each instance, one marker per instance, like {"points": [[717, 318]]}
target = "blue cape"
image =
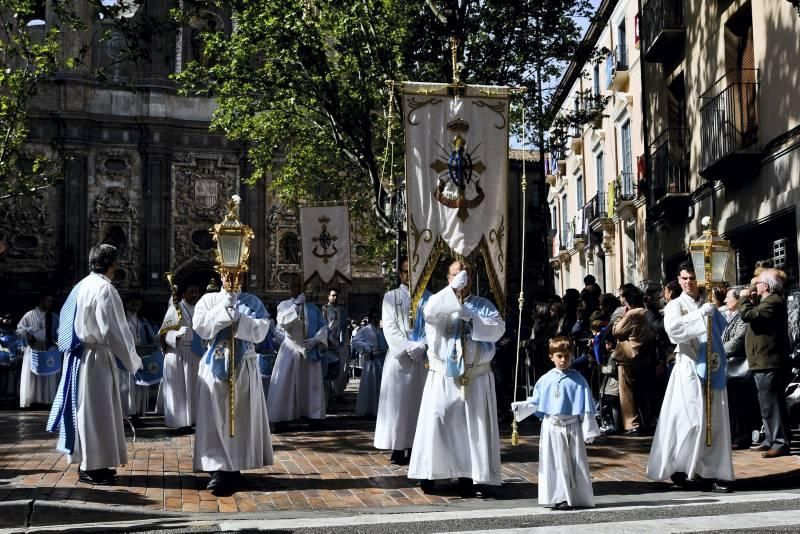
{"points": [[216, 356], [562, 393], [718, 377]]}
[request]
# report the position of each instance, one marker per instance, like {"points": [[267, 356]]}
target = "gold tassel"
{"points": [[514, 433]]}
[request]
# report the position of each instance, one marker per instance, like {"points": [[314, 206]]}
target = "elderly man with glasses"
{"points": [[767, 345]]}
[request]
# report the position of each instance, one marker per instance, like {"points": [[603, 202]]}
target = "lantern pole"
{"points": [[707, 255]]}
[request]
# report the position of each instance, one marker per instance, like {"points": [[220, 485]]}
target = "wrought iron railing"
{"points": [[658, 16], [625, 188], [730, 115], [596, 208], [668, 171]]}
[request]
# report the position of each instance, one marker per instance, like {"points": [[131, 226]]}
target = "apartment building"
{"points": [[722, 127], [595, 166], [698, 117]]}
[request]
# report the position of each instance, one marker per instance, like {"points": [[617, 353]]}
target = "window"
{"points": [[564, 221], [579, 199], [596, 80], [627, 159], [600, 166]]}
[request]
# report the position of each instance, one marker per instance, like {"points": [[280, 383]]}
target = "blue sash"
{"points": [[419, 321], [46, 362], [197, 345], [266, 361], [152, 369], [63, 414], [720, 357], [216, 355], [314, 321]]}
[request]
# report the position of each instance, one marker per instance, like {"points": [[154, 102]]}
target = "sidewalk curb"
{"points": [[15, 513], [44, 514]]}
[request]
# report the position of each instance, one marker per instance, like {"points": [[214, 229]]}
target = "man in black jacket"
{"points": [[767, 345]]}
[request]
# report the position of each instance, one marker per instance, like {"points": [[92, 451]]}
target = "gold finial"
{"points": [[514, 433]]}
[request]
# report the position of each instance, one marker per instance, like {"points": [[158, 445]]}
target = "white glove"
{"points": [[460, 280], [230, 300], [235, 314], [707, 309], [309, 344], [415, 349], [182, 331]]}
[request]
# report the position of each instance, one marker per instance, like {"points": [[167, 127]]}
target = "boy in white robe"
{"points": [[457, 434], [563, 400], [220, 318], [295, 387], [370, 343], [183, 349], [39, 328], [94, 335], [404, 371]]}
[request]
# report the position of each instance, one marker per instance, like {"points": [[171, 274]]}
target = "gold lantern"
{"points": [[710, 256], [233, 251]]}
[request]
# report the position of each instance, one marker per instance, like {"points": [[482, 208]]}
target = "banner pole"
{"points": [[521, 298]]}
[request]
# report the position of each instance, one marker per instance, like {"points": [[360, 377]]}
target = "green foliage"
{"points": [[303, 83], [30, 55]]}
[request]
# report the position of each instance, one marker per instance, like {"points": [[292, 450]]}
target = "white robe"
{"points": [[181, 367], [295, 387], [100, 323], [251, 446], [32, 387], [133, 396], [679, 444], [403, 379], [563, 464], [457, 438], [366, 342]]}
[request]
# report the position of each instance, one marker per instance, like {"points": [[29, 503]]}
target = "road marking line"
{"points": [[667, 525], [332, 521]]}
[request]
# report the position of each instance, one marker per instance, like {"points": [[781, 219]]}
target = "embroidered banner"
{"points": [[456, 174], [326, 242]]}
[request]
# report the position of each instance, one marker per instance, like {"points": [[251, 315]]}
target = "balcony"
{"points": [[617, 68], [597, 213], [730, 117], [626, 194], [663, 30], [550, 170], [576, 139], [668, 174], [578, 231]]}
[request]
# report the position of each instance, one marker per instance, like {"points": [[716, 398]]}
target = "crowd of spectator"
{"points": [[626, 355]]}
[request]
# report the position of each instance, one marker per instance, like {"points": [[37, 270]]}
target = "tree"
{"points": [[303, 83], [32, 51]]}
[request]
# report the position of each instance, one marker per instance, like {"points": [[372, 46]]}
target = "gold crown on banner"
{"points": [[458, 125], [324, 219]]}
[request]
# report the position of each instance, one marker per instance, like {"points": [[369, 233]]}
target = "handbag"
{"points": [[738, 369]]}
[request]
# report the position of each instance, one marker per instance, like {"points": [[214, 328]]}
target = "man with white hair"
{"points": [[457, 433], [767, 344]]}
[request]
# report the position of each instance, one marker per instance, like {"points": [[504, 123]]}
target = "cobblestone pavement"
{"points": [[331, 464]]}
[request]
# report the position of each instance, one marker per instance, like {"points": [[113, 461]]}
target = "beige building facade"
{"points": [[699, 116], [723, 130], [595, 198]]}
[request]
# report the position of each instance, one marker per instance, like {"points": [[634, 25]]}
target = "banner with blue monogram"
{"points": [[326, 242]]}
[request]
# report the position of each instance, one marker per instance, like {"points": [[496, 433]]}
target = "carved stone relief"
{"points": [[27, 227], [114, 200], [284, 254], [202, 184]]}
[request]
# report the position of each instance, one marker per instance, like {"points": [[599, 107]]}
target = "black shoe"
{"points": [[563, 505], [99, 477], [721, 486], [397, 456], [679, 479], [222, 484], [466, 488], [427, 486], [633, 432], [280, 427]]}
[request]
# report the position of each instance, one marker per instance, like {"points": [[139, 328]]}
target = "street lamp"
{"points": [[233, 250], [710, 258]]}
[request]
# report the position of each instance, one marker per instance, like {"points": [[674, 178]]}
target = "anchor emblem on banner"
{"points": [[460, 173], [324, 240]]}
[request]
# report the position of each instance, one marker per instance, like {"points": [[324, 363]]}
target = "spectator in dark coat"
{"points": [[767, 347]]}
